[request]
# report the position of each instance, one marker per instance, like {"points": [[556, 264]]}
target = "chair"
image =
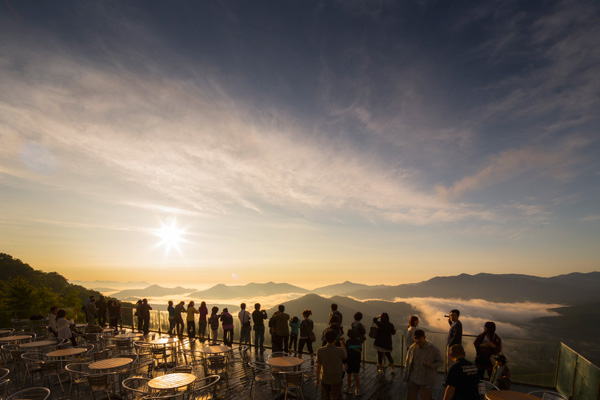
{"points": [[143, 350], [100, 382], [261, 374], [78, 373], [34, 393], [136, 387], [4, 373], [218, 365], [88, 354], [244, 357], [548, 395], [32, 362], [293, 380], [51, 368], [4, 388], [485, 386], [124, 345], [203, 388], [100, 355], [143, 368], [160, 353]]}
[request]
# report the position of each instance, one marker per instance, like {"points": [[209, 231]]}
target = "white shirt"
{"points": [[244, 316], [63, 328]]}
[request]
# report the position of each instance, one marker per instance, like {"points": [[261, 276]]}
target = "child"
{"points": [[295, 327], [501, 375], [353, 349]]}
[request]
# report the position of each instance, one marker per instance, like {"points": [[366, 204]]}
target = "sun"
{"points": [[170, 237]]}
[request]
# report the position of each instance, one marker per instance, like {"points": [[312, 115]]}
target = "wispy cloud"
{"points": [[511, 164], [194, 144]]}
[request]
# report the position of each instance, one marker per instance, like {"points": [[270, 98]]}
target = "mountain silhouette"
{"points": [[250, 290], [575, 288], [151, 291]]}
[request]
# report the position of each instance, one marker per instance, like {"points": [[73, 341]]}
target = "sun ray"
{"points": [[171, 236]]}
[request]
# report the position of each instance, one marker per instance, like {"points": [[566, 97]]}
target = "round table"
{"points": [[215, 349], [284, 362], [5, 331], [72, 351], [111, 363], [40, 343], [171, 381], [129, 335], [15, 338], [509, 395]]}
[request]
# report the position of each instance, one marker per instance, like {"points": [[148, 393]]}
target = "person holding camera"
{"points": [[383, 341]]}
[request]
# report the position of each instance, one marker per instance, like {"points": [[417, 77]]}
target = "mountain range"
{"points": [[570, 289]]}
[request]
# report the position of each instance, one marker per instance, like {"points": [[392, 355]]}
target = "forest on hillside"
{"points": [[25, 291]]}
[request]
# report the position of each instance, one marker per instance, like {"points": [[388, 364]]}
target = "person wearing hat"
{"points": [[501, 374]]}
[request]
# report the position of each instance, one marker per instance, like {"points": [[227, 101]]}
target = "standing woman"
{"points": [[191, 323], [383, 340], [214, 323], [413, 323], [487, 344], [203, 310], [306, 334], [227, 327]]}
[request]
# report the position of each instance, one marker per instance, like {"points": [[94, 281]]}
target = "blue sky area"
{"points": [[300, 141]]}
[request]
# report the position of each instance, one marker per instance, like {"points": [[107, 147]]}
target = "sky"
{"points": [[204, 142]]}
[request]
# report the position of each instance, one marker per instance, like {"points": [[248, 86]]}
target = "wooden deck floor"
{"points": [[373, 385]]}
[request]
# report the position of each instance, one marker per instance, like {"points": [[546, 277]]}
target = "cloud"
{"points": [[589, 218], [512, 164], [509, 317], [193, 143]]}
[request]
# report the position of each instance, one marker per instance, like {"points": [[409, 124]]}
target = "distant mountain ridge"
{"points": [[222, 291], [570, 289], [574, 288], [152, 291]]}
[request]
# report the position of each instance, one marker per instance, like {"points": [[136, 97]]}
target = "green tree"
{"points": [[17, 294]]}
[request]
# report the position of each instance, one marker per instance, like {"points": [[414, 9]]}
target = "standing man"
{"points": [[462, 377], [258, 317], [144, 311], [330, 361], [171, 311], [422, 361], [91, 311], [245, 329], [454, 334], [179, 308], [101, 306], [282, 330], [338, 315]]}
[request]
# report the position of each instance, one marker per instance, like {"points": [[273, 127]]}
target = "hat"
{"points": [[501, 358]]}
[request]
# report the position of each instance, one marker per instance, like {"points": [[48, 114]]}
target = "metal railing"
{"points": [[532, 362]]}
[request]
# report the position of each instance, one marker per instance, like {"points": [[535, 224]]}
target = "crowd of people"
{"points": [[340, 351]]}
